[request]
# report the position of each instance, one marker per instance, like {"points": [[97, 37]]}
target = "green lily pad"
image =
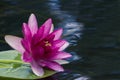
{"points": [[12, 68]]}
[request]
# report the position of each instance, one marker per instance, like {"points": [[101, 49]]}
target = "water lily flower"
{"points": [[41, 47]]}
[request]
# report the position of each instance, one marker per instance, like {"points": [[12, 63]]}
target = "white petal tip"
{"points": [[50, 19], [61, 61], [66, 44], [32, 14], [39, 74], [7, 38], [52, 28], [61, 70]]}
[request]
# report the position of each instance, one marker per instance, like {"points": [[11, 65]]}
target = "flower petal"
{"points": [[38, 70], [27, 32], [54, 66], [26, 44], [60, 55], [37, 37], [61, 61], [37, 52], [60, 44], [52, 28], [66, 44], [15, 42], [57, 34], [43, 31], [46, 28], [32, 23], [26, 57]]}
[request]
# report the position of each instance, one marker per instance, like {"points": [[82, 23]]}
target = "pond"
{"points": [[91, 27]]}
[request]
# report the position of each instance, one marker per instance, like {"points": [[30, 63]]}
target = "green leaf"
{"points": [[12, 68]]}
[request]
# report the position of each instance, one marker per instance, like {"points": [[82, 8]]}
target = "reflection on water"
{"points": [[91, 27], [67, 21]]}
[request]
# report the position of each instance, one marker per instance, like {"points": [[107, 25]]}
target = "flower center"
{"points": [[47, 43]]}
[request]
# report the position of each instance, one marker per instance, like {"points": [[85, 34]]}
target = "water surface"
{"points": [[91, 27]]}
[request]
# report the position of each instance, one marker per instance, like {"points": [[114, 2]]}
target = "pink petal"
{"points": [[60, 55], [37, 52], [57, 34], [27, 57], [15, 42], [26, 44], [66, 44], [38, 70], [27, 32], [53, 65], [37, 37], [50, 38], [45, 29], [60, 44], [48, 26], [32, 23]]}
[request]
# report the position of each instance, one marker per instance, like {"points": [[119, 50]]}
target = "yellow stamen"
{"points": [[47, 43]]}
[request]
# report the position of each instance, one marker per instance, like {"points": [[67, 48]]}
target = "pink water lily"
{"points": [[41, 47]]}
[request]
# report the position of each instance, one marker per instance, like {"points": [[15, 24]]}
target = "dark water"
{"points": [[91, 26]]}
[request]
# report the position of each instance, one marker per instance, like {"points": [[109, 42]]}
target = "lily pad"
{"points": [[12, 68]]}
